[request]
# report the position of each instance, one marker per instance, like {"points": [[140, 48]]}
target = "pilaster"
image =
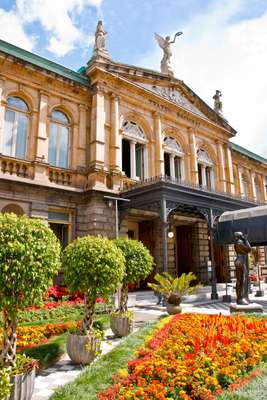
{"points": [[97, 142], [159, 145], [116, 140], [193, 156], [82, 136], [42, 134], [2, 113], [229, 166], [221, 168]]}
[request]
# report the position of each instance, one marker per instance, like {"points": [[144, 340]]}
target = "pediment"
{"points": [[174, 95]]}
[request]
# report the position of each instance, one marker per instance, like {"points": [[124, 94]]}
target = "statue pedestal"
{"points": [[250, 308]]}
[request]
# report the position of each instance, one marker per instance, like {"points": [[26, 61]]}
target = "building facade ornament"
{"points": [[217, 102], [171, 145], [165, 45], [203, 157], [100, 49], [173, 95], [133, 130]]}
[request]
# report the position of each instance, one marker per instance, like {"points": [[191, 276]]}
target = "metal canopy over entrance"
{"points": [[166, 197]]}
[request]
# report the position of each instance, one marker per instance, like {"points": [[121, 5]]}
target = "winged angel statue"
{"points": [[165, 44]]}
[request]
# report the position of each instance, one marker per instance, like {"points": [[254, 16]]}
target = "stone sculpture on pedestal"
{"points": [[165, 44]]}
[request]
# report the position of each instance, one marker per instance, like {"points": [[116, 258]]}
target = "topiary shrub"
{"points": [[29, 258], [138, 265], [94, 266]]}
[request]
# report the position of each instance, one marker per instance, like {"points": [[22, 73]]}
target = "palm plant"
{"points": [[174, 288]]}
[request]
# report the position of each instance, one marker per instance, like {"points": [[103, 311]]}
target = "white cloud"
{"points": [[12, 31], [57, 19], [232, 57]]}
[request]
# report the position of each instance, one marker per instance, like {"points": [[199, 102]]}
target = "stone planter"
{"points": [[82, 349], [23, 385], [173, 308], [121, 326]]}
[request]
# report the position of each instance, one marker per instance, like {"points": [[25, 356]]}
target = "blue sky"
{"points": [[224, 45]]}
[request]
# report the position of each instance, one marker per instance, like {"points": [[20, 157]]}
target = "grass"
{"points": [[48, 353], [99, 374], [256, 389]]}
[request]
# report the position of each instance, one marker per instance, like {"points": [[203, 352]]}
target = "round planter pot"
{"points": [[82, 349], [173, 309], [121, 326], [23, 385]]}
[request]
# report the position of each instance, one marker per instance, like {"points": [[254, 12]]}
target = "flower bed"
{"points": [[30, 336], [192, 357]]}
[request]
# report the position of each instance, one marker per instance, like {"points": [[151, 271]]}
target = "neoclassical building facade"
{"points": [[70, 139]]}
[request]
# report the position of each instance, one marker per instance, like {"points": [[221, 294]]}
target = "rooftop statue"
{"points": [[165, 44], [100, 41], [217, 102]]}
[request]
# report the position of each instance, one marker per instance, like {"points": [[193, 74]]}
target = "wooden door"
{"points": [[184, 258]]}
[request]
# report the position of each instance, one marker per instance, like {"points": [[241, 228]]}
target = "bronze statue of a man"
{"points": [[242, 248]]}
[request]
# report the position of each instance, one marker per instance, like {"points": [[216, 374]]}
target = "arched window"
{"points": [[173, 158], [58, 150], [134, 150], [16, 128], [205, 169]]}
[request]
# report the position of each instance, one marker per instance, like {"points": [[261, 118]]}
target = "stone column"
{"points": [[212, 179], [264, 188], [203, 176], [240, 179], [193, 157], [73, 147], [182, 169], [145, 161], [2, 114], [115, 140], [159, 145], [253, 185], [42, 134], [172, 169], [220, 153], [133, 160], [97, 142], [229, 166]]}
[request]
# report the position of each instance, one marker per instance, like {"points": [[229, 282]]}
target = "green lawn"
{"points": [[98, 375]]}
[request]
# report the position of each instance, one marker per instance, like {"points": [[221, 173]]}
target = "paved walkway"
{"points": [[145, 310]]}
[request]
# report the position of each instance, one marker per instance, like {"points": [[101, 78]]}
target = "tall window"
{"points": [[205, 170], [134, 151], [58, 151], [16, 128], [173, 158], [244, 187]]}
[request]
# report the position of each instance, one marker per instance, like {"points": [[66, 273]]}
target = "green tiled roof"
{"points": [[41, 62], [248, 153]]}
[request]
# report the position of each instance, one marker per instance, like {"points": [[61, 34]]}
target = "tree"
{"points": [[29, 258], [138, 263], [94, 266]]}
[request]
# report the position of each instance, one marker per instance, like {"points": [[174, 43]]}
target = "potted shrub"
{"points": [[174, 288], [138, 265], [29, 258], [94, 266]]}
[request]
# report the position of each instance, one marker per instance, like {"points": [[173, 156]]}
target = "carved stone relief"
{"points": [[133, 130]]}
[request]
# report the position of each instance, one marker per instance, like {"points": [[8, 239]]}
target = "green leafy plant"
{"points": [[94, 266], [29, 258], [138, 265], [174, 288], [5, 384]]}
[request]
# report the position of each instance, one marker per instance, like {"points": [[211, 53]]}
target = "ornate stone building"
{"points": [[68, 139]]}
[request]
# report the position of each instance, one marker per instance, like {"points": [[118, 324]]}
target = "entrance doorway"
{"points": [[184, 247], [146, 236]]}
